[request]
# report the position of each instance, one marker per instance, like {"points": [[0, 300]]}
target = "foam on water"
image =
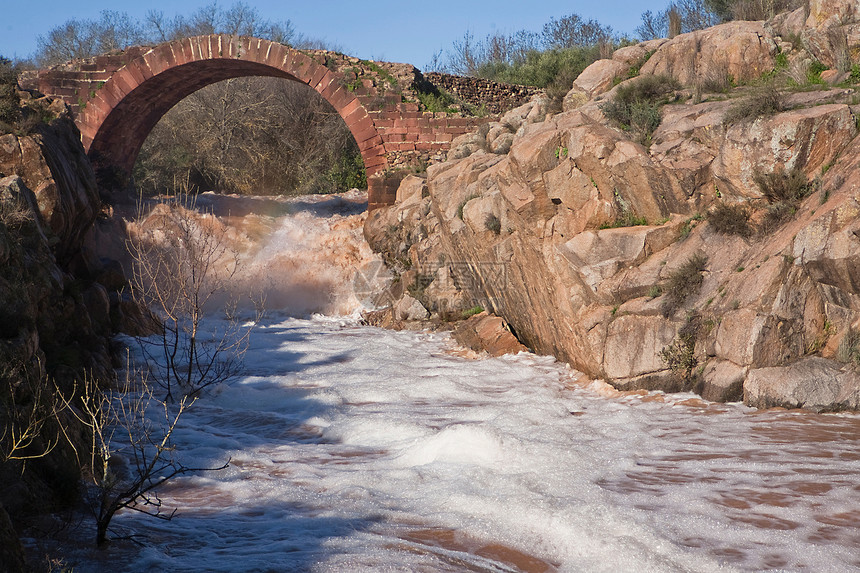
{"points": [[355, 448], [358, 449]]}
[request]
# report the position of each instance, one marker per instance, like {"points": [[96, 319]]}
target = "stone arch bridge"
{"points": [[117, 98]]}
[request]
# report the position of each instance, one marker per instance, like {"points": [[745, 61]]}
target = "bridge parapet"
{"points": [[117, 98]]}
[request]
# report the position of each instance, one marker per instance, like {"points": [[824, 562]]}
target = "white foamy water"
{"points": [[359, 449]]}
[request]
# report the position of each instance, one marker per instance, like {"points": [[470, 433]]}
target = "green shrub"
{"points": [[784, 191], [763, 102], [472, 311], [625, 219], [347, 172], [730, 219], [689, 224], [559, 87], [683, 282], [463, 205], [813, 74], [776, 215], [680, 355], [493, 223], [783, 186], [717, 83], [636, 105], [542, 68], [438, 102]]}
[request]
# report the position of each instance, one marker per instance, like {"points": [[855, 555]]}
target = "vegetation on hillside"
{"points": [[553, 57], [550, 59], [16, 116], [636, 105]]}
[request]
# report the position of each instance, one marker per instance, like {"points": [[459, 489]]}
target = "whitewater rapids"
{"points": [[359, 449]]}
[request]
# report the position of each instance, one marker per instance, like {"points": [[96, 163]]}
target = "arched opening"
{"points": [[251, 135]]}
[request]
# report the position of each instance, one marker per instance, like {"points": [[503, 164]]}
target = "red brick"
{"points": [[64, 93], [364, 135], [374, 156], [136, 71], [374, 153], [87, 129], [183, 52], [230, 46], [383, 123], [264, 51], [390, 114], [124, 80], [460, 121], [374, 168], [276, 55], [169, 57], [99, 106], [155, 62], [340, 98], [369, 142], [317, 73], [364, 122], [327, 86], [108, 96], [208, 47], [188, 53], [216, 49], [253, 52], [300, 66], [353, 113]]}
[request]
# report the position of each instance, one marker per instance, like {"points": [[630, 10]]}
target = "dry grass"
{"points": [[763, 102], [683, 282], [784, 191], [729, 219]]}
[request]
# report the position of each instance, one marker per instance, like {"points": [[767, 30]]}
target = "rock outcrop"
{"points": [[486, 333], [55, 320], [530, 218]]}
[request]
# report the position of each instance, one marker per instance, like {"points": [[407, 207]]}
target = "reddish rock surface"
{"points": [[517, 229], [486, 333]]}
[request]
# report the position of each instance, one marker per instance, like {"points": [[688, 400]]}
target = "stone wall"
{"points": [[494, 96]]}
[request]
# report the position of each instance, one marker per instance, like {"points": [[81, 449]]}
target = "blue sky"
{"points": [[400, 31]]}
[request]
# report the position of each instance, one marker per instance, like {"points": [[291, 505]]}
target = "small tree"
{"points": [[182, 266], [122, 428]]}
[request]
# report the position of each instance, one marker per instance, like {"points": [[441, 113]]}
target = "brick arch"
{"points": [[117, 117]]}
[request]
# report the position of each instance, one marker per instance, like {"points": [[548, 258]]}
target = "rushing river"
{"points": [[359, 449]]}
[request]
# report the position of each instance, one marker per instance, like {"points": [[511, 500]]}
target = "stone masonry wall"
{"points": [[494, 96]]}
